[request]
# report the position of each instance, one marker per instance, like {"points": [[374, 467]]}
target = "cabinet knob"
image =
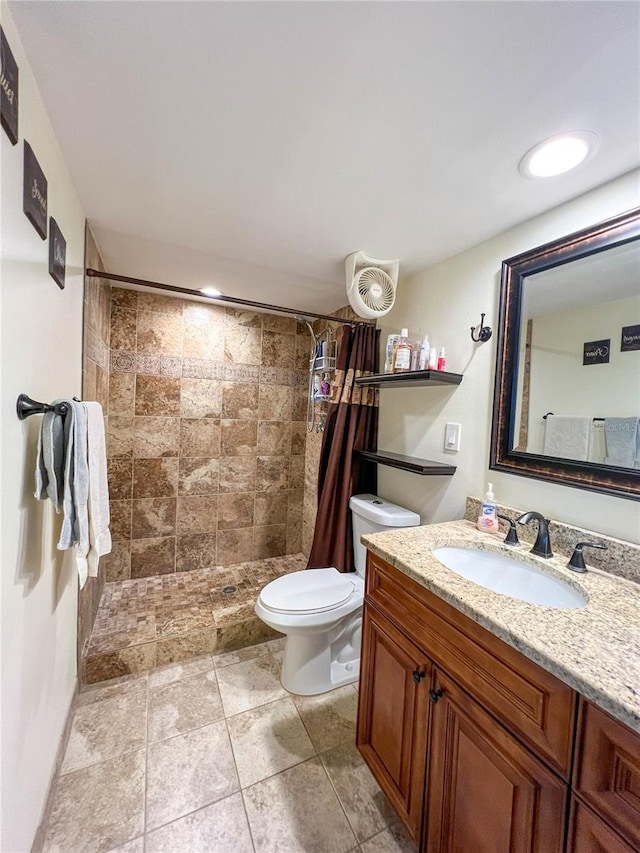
{"points": [[418, 676], [434, 695]]}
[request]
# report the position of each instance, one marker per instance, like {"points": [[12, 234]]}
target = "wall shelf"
{"points": [[424, 467], [411, 378]]}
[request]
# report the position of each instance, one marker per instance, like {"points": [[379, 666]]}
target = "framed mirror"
{"points": [[567, 391]]}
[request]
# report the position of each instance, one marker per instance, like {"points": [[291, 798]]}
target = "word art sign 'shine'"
{"points": [[596, 352], [34, 192], [57, 253], [630, 339], [8, 90]]}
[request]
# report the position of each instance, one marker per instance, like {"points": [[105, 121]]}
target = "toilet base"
{"points": [[312, 666]]}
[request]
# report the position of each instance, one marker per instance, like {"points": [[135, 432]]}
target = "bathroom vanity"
{"points": [[479, 746]]}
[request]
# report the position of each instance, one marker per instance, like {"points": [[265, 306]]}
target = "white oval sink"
{"points": [[510, 577]]}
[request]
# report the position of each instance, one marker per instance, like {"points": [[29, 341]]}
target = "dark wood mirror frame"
{"points": [[623, 482]]}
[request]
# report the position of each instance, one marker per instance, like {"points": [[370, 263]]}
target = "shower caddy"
{"points": [[322, 366]]}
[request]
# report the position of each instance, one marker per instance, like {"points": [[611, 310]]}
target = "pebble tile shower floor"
{"points": [[213, 756], [163, 619]]}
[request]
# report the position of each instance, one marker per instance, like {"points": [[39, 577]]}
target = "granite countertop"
{"points": [[595, 649]]}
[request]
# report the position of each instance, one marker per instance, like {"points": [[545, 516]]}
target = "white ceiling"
{"points": [[253, 145]]}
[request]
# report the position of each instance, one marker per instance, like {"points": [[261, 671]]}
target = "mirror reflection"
{"points": [[569, 348], [578, 365]]}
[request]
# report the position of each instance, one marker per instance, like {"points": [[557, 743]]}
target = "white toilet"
{"points": [[320, 610]]}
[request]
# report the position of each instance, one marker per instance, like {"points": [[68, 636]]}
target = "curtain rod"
{"points": [[231, 300]]}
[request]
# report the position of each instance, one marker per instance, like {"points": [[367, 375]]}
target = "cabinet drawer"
{"points": [[529, 701], [588, 833], [607, 772]]}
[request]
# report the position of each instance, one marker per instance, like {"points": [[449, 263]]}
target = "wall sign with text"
{"points": [[596, 352], [57, 253], [34, 192], [630, 339], [8, 90]]}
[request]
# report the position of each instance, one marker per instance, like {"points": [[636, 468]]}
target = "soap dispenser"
{"points": [[488, 518]]}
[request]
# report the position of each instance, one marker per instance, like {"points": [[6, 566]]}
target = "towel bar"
{"points": [[544, 417], [25, 407]]}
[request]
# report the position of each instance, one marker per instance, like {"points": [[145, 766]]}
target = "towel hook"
{"points": [[484, 332]]}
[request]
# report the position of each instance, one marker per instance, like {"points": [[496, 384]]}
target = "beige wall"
{"points": [[206, 434], [445, 300], [41, 355]]}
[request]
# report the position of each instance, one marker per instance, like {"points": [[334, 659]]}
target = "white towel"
{"points": [[567, 437], [99, 534]]}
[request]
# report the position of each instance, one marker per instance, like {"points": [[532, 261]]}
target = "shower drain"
{"points": [[229, 590]]}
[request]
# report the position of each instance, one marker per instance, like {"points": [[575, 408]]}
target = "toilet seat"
{"points": [[307, 592]]}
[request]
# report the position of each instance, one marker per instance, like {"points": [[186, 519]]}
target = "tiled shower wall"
{"points": [[206, 434], [95, 386]]}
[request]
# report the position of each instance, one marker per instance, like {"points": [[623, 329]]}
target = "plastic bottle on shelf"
{"points": [[402, 354], [442, 360], [433, 358], [423, 362], [392, 342], [415, 356]]}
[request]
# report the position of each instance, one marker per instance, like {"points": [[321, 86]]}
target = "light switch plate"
{"points": [[452, 437]]}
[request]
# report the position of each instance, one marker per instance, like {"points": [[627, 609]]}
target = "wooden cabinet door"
{"points": [[393, 715], [486, 792], [607, 770], [590, 834]]}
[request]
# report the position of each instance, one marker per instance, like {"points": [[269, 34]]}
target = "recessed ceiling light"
{"points": [[210, 291], [558, 154]]}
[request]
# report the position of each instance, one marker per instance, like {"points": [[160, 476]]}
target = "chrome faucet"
{"points": [[542, 545]]}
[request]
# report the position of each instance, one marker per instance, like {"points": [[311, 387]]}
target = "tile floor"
{"points": [[166, 618], [214, 756]]}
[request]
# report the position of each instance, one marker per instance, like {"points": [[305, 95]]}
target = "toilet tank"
{"points": [[371, 514]]}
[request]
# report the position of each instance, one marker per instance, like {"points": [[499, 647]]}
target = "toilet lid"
{"points": [[310, 591]]}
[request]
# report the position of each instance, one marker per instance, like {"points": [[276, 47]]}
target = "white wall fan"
{"points": [[371, 285]]}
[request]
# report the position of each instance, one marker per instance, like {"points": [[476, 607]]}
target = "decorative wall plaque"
{"points": [[8, 90], [34, 193], [57, 253], [630, 339], [596, 352]]}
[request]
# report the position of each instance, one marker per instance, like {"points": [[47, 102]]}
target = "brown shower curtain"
{"points": [[351, 425]]}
